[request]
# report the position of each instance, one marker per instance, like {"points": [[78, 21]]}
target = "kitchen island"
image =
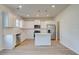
{"points": [[42, 39]]}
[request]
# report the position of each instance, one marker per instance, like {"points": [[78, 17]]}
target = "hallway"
{"points": [[28, 48]]}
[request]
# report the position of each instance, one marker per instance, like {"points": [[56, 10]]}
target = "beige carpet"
{"points": [[28, 48]]}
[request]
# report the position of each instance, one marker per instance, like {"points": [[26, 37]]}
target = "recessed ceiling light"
{"points": [[47, 15], [37, 15], [53, 6], [28, 15], [20, 6]]}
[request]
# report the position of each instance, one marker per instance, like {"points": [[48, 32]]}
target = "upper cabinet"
{"points": [[19, 23], [9, 19], [37, 22]]}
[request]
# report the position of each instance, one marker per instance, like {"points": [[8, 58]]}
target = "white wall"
{"points": [[1, 46], [69, 27]]}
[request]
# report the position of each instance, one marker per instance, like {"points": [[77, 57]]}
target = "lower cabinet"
{"points": [[29, 34], [42, 39], [9, 41]]}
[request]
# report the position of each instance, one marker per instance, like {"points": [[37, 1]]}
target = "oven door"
{"points": [[17, 40], [36, 31]]}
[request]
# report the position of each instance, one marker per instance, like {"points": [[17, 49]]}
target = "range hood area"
{"points": [[50, 28]]}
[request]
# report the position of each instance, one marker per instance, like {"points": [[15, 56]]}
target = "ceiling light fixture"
{"points": [[53, 6], [37, 15], [47, 15], [28, 15], [20, 6]]}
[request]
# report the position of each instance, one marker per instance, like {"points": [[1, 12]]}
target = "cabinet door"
{"points": [[29, 34], [9, 19], [42, 39], [43, 24], [9, 41], [5, 19]]}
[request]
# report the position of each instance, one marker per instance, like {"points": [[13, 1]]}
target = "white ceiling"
{"points": [[37, 10]]}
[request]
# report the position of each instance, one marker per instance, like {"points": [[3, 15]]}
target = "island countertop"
{"points": [[42, 39]]}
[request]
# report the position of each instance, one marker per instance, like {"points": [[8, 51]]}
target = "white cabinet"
{"points": [[36, 22], [29, 34], [42, 39], [29, 24], [9, 19], [43, 24], [23, 36], [9, 41], [19, 23]]}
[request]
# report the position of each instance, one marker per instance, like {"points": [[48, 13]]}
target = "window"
{"points": [[17, 23], [20, 23]]}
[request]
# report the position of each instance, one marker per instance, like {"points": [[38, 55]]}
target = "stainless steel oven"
{"points": [[18, 39], [36, 31]]}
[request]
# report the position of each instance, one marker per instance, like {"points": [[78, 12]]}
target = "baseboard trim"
{"points": [[69, 47]]}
